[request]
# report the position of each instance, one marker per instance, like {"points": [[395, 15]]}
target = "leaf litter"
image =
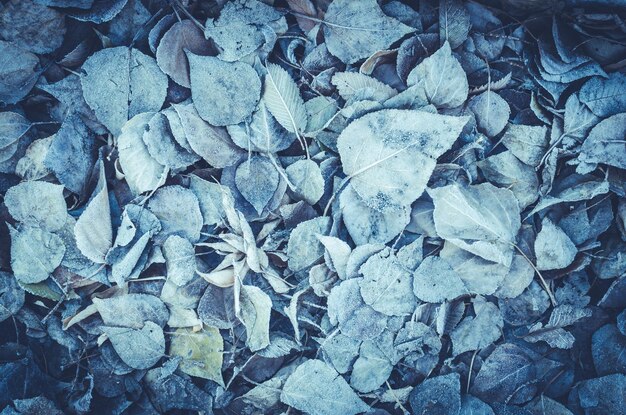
{"points": [[312, 206]]}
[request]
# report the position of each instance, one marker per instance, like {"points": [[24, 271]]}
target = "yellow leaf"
{"points": [[202, 352]]}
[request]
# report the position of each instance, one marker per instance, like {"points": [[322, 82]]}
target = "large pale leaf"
{"points": [[142, 172], [138, 348], [367, 225], [178, 210], [479, 331], [131, 310], [283, 100], [211, 143], [355, 30], [454, 22], [303, 248], [605, 144], [387, 286], [202, 352], [389, 155], [257, 179], [307, 180], [482, 219], [12, 127], [527, 142], [254, 313], [441, 79], [224, 93], [72, 153], [39, 204], [317, 389], [35, 254], [435, 281], [133, 83], [605, 96], [93, 230], [553, 248]]}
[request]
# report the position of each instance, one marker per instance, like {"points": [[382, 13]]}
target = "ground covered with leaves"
{"points": [[323, 207]]}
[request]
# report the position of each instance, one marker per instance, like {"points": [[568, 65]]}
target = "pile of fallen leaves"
{"points": [[328, 207]]}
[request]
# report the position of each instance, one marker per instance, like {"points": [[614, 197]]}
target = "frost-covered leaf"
{"points": [[216, 307], [223, 93], [257, 179], [38, 204], [441, 79], [263, 133], [141, 171], [605, 96], [211, 143], [33, 26], [528, 143], [170, 54], [17, 72], [371, 369], [439, 395], [390, 154], [582, 190], [434, 281], [120, 83], [507, 171], [553, 248], [35, 254], [482, 219], [93, 230], [202, 352], [210, 198], [607, 348], [316, 388], [491, 111], [303, 248], [387, 285], [338, 252], [553, 331], [477, 332], [180, 259], [12, 127], [347, 309], [367, 225], [11, 296], [354, 31], [479, 275], [306, 177], [282, 98], [507, 370], [243, 27], [131, 310], [605, 144], [178, 210], [138, 348], [350, 84], [72, 153], [254, 313], [163, 146], [603, 395], [454, 22]]}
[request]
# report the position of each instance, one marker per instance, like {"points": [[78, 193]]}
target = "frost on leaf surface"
{"points": [[313, 206], [120, 83], [356, 30], [389, 155], [481, 219], [224, 93], [318, 389]]}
